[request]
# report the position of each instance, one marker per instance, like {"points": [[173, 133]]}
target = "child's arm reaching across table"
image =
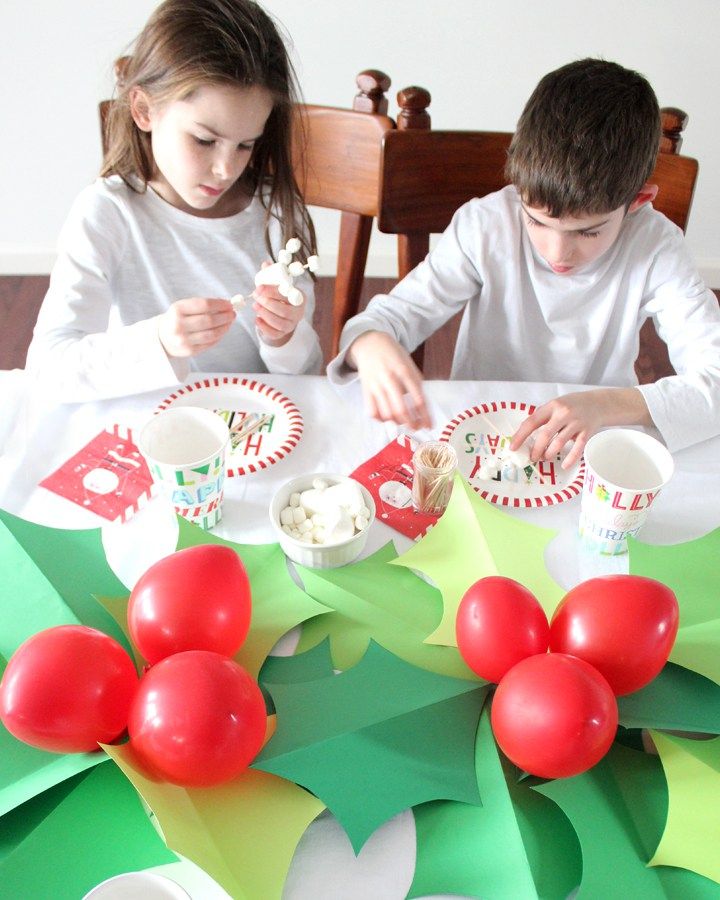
{"points": [[389, 379], [575, 418]]}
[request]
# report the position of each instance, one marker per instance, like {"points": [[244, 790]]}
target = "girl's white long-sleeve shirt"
{"points": [[523, 322], [123, 258]]}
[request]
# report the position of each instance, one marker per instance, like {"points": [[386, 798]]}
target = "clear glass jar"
{"points": [[434, 465]]}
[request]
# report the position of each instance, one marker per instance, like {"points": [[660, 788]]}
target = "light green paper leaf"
{"points": [[243, 833], [691, 570], [278, 604], [692, 835], [373, 740], [388, 604], [474, 539]]}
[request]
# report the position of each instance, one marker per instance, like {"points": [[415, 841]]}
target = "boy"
{"points": [[556, 273]]}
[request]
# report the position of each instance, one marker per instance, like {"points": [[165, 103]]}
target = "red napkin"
{"points": [[108, 476], [388, 476]]}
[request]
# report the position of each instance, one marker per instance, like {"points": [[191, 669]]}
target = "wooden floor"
{"points": [[21, 295]]}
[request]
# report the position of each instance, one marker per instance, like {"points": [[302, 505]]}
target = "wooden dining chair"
{"points": [[426, 175]]}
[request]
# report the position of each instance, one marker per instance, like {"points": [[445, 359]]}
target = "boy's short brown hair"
{"points": [[587, 139]]}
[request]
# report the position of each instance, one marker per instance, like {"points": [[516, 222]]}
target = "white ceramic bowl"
{"points": [[318, 556]]}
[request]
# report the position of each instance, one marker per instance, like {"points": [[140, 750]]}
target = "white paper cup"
{"points": [[185, 449], [624, 472]]}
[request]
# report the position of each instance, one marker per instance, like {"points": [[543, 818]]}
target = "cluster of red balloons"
{"points": [[554, 714], [195, 718]]}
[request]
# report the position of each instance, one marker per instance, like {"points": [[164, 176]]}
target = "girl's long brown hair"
{"points": [[189, 43]]}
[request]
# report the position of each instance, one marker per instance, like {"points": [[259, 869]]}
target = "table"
{"points": [[37, 436]]}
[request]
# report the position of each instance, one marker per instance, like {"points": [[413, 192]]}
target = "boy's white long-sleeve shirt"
{"points": [[523, 322], [123, 259]]}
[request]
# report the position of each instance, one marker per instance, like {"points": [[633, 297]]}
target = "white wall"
{"points": [[479, 58]]}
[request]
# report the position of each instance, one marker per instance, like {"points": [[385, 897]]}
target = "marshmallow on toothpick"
{"points": [[285, 270]]}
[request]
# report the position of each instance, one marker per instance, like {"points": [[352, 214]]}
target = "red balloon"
{"points": [[194, 599], [198, 719], [624, 625], [554, 715], [68, 688], [499, 622]]}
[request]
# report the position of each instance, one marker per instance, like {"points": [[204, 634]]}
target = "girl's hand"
{"points": [[276, 319], [391, 382], [575, 418], [194, 324]]}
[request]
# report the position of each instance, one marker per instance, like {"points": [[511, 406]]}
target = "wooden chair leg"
{"points": [[352, 254]]}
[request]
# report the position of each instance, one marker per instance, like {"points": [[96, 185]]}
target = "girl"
{"points": [[196, 189]]}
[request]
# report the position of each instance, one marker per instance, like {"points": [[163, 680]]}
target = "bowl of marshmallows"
{"points": [[322, 520]]}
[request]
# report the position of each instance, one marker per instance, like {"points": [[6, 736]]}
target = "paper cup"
{"points": [[185, 451], [624, 472]]}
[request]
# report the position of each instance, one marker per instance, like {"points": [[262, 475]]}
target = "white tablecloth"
{"points": [[37, 436]]}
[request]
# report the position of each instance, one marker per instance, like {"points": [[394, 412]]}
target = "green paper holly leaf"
{"points": [[278, 604], [474, 539], [242, 833], [691, 838], [308, 666], [618, 810], [37, 594], [387, 604], [691, 570], [499, 849], [676, 699], [74, 564], [92, 832], [376, 739]]}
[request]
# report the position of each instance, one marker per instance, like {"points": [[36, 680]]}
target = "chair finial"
{"points": [[674, 121], [373, 84], [413, 102]]}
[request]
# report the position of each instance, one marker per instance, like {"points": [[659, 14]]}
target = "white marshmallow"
{"points": [[293, 245], [295, 499], [346, 494], [286, 516]]}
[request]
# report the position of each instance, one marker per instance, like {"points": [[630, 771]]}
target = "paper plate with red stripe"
{"points": [[234, 399], [481, 438]]}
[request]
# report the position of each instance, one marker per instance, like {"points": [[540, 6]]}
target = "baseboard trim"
{"points": [[39, 260]]}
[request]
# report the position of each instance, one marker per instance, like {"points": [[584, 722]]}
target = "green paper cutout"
{"points": [[388, 604], [278, 604], [243, 833], [691, 570], [676, 699], [617, 809], [97, 831], [692, 835], [474, 539], [74, 563], [30, 603], [308, 666], [21, 821], [369, 751], [470, 850]]}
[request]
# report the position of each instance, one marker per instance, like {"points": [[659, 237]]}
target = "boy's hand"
{"points": [[391, 382], [576, 418], [276, 319], [194, 324]]}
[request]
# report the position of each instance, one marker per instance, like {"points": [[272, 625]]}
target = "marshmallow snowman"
{"points": [[282, 274]]}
